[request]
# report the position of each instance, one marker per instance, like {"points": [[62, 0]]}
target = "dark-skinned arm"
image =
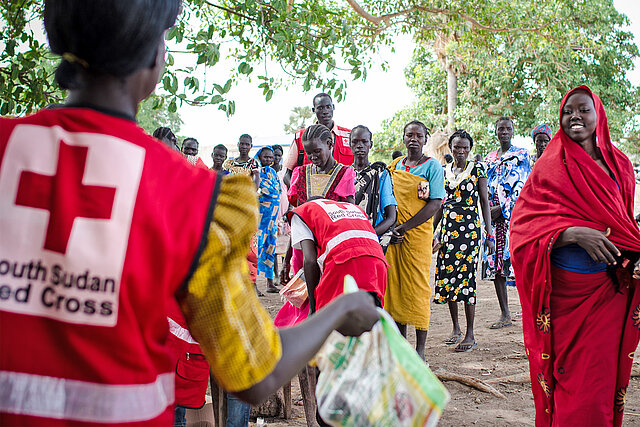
{"points": [[496, 213], [483, 192], [255, 176], [284, 273], [595, 242], [311, 270], [437, 217], [390, 216], [287, 178], [349, 314], [423, 215], [437, 236], [351, 199]]}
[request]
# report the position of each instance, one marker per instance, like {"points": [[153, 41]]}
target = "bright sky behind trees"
{"points": [[367, 102]]}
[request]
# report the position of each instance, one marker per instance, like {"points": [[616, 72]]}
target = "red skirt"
{"points": [[588, 315]]}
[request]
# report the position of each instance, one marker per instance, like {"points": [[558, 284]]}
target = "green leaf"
{"points": [[172, 107], [227, 86], [219, 88]]}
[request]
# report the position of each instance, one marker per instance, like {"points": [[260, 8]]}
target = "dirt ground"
{"points": [[499, 353]]}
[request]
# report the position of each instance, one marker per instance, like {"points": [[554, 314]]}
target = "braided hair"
{"points": [[317, 131], [163, 133]]}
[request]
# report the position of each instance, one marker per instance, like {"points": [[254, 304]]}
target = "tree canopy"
{"points": [[509, 57], [150, 117], [513, 58], [298, 119], [320, 44]]}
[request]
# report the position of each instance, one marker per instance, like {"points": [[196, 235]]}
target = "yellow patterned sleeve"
{"points": [[221, 306]]}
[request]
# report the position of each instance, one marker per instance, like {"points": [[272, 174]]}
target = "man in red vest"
{"points": [[337, 239], [323, 108]]}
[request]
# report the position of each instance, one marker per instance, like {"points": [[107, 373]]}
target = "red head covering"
{"points": [[566, 188]]}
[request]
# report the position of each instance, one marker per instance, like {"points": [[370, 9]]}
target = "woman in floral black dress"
{"points": [[460, 236]]}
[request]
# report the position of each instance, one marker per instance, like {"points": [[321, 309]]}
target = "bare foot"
{"points": [[260, 294]]}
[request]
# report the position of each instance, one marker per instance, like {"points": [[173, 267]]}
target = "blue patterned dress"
{"points": [[269, 208], [506, 176]]}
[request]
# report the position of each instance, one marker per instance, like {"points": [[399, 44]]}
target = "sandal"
{"points": [[501, 324], [463, 348], [273, 290], [453, 339]]}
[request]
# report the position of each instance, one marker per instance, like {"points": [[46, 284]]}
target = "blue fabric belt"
{"points": [[574, 258]]}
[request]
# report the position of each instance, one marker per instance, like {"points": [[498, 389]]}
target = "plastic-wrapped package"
{"points": [[296, 290], [376, 379]]}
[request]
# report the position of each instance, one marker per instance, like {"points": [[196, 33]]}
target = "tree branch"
{"points": [[377, 19], [434, 11], [231, 11]]}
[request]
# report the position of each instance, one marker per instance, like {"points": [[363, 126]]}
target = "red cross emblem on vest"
{"points": [[65, 196]]}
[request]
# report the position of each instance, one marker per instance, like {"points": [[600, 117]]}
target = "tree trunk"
{"points": [[452, 99]]}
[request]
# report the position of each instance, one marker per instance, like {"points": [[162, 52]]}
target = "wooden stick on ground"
{"points": [[521, 378], [524, 377], [471, 382]]}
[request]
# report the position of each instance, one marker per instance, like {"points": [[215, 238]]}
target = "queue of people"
{"points": [[162, 281], [470, 203]]}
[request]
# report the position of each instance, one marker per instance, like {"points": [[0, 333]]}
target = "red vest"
{"points": [[191, 367], [341, 148], [343, 232], [98, 233]]}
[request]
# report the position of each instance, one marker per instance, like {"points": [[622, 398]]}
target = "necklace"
{"points": [[466, 163], [416, 163], [316, 169]]}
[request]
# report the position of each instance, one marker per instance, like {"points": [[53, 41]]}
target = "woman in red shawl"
{"points": [[575, 256]]}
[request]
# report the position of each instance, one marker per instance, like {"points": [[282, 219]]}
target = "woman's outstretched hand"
{"points": [[595, 242]]}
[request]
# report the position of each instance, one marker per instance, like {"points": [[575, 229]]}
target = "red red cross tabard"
{"points": [[65, 196]]}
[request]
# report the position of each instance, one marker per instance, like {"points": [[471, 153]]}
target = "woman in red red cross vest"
{"points": [[99, 238], [337, 239]]}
